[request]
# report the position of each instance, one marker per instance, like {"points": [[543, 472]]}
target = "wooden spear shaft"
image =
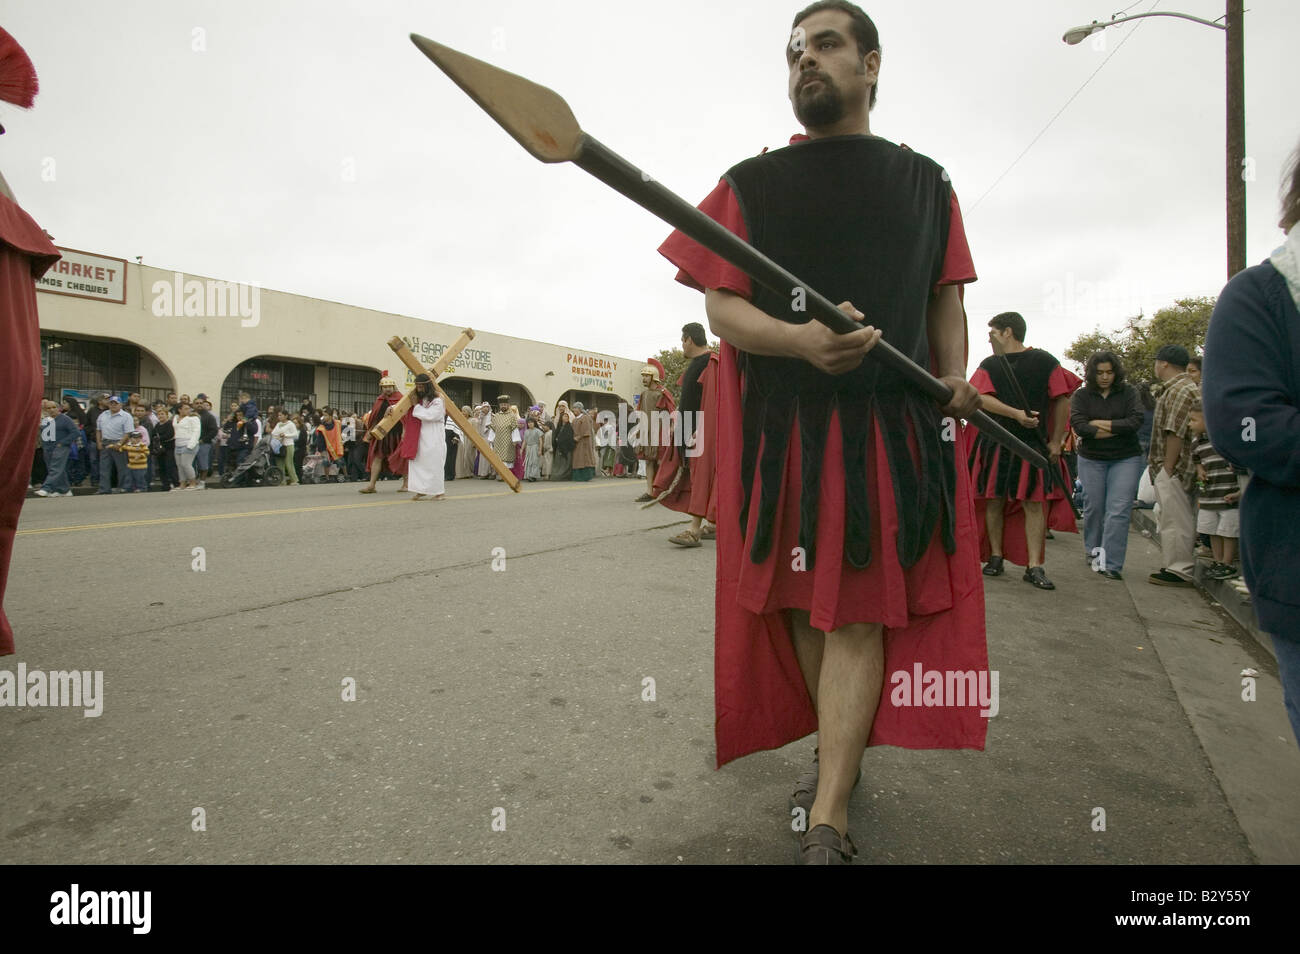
{"points": [[468, 429]]}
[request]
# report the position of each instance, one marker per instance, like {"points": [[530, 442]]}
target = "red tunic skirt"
{"points": [[933, 612]]}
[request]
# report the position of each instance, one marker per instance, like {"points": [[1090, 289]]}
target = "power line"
{"points": [[1058, 113]]}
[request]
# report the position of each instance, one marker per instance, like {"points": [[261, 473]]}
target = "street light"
{"points": [[1233, 28]]}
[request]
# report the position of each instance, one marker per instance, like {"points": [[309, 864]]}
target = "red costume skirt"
{"points": [[1023, 483], [696, 491], [932, 612]]}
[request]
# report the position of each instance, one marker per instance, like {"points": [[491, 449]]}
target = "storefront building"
{"points": [[111, 325]]}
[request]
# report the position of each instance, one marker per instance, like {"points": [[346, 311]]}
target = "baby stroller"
{"points": [[256, 470], [316, 469]]}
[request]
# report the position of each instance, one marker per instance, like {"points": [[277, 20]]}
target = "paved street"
{"points": [[521, 689]]}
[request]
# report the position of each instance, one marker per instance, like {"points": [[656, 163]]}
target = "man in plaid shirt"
{"points": [[1173, 471]]}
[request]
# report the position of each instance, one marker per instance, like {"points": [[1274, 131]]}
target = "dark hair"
{"points": [[1291, 195], [695, 331], [424, 387], [864, 31], [1104, 357], [1012, 320], [1194, 360], [73, 408]]}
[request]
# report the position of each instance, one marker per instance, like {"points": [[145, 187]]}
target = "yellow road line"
{"points": [[160, 521]]}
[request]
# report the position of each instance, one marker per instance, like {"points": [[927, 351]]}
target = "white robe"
{"points": [[425, 474]]}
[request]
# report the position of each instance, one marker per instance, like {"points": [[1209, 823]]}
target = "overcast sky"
{"points": [[309, 147]]}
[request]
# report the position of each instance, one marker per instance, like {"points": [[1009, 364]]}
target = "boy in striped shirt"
{"points": [[1216, 512]]}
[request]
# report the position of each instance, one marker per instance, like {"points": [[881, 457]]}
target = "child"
{"points": [[137, 462], [1217, 513]]}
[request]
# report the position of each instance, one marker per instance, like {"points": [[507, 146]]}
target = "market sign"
{"points": [[83, 275], [591, 372]]}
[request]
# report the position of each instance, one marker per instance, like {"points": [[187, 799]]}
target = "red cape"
{"points": [[696, 493], [391, 446], [26, 253]]}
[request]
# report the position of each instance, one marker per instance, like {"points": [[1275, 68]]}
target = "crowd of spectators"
{"points": [[181, 443]]}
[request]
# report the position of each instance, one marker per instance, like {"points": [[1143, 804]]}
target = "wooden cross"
{"points": [[398, 410]]}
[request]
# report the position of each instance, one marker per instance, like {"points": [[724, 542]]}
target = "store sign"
{"points": [[428, 352], [83, 275], [591, 372]]}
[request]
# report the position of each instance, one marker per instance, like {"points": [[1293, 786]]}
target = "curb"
{"points": [[1220, 591]]}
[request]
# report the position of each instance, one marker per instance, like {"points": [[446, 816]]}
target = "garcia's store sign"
{"points": [[83, 275], [470, 359], [591, 372]]}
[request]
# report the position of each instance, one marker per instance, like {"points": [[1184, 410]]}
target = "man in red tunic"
{"points": [[1015, 505], [386, 452], [847, 544], [684, 480], [26, 253]]}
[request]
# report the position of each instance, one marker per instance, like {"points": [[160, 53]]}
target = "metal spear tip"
{"points": [[536, 117]]}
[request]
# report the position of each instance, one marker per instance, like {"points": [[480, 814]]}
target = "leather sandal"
{"points": [[685, 539], [824, 846], [709, 532]]}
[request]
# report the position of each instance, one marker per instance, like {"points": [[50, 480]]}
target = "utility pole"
{"points": [[1236, 138]]}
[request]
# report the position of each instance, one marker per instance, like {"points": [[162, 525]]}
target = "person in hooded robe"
{"points": [[466, 454], [563, 443]]}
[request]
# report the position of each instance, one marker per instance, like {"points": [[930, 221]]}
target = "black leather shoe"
{"points": [[993, 567], [1036, 576], [1111, 574]]}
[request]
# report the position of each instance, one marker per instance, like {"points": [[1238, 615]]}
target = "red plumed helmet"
{"points": [[18, 83]]}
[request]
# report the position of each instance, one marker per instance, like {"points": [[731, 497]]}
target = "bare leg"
{"points": [[1229, 550], [848, 694], [376, 468], [1035, 530], [809, 644], [1217, 548], [651, 468], [993, 523]]}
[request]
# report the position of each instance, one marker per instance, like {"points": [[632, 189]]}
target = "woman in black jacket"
{"points": [[1106, 414]]}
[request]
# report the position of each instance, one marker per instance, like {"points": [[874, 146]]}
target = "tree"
{"points": [[1184, 323], [675, 361]]}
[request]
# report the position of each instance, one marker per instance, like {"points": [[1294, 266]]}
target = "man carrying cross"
{"points": [[847, 544]]}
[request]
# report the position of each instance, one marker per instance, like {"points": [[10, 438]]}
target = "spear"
{"points": [[541, 121]]}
